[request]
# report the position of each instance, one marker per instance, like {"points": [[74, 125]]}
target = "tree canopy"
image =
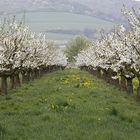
{"points": [[75, 46]]}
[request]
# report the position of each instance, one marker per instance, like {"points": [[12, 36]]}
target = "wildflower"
{"points": [[52, 106], [99, 119]]}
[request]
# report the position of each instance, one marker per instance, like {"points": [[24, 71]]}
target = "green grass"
{"points": [[42, 21], [69, 105]]}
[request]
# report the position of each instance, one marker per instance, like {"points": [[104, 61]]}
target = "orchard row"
{"points": [[25, 55], [116, 56]]}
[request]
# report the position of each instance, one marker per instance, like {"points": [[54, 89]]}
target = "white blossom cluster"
{"points": [[22, 49]]}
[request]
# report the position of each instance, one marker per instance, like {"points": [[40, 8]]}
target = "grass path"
{"points": [[69, 105]]}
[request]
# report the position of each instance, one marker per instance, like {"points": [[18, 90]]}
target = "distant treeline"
{"points": [[90, 33]]}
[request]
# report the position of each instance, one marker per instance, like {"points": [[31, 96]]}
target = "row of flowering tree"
{"points": [[116, 57], [25, 55]]}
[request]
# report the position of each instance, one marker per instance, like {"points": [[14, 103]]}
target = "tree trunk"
{"points": [[98, 72], [129, 85], [12, 82], [138, 90], [28, 76], [33, 74], [17, 80], [46, 70], [115, 81], [93, 72], [4, 86], [109, 76], [36, 74], [106, 76], [123, 83], [24, 78]]}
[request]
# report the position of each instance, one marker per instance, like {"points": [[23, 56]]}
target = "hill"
{"points": [[64, 26], [109, 9], [63, 19], [103, 9]]}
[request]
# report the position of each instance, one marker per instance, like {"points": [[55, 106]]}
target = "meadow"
{"points": [[69, 105]]}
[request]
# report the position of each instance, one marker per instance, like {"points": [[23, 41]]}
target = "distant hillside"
{"points": [[103, 9], [64, 26], [109, 9]]}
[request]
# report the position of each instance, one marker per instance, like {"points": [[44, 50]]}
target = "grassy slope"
{"points": [[69, 105], [42, 21], [54, 20]]}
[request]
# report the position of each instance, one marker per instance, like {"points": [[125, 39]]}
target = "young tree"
{"points": [[75, 46]]}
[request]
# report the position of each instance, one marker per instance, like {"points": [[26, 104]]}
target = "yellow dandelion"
{"points": [[52, 106], [99, 119]]}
